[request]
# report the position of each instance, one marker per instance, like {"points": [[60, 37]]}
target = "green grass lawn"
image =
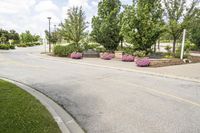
{"points": [[22, 113]]}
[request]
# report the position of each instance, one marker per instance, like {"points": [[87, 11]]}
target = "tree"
{"points": [[3, 39], [73, 29], [106, 26], [13, 35], [54, 36], [27, 37], [179, 16], [142, 23], [195, 30]]}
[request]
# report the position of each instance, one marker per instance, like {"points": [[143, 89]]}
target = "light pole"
{"points": [[55, 28], [49, 41]]}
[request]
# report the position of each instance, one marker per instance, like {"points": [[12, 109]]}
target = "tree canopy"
{"points": [[73, 28], [105, 26], [178, 17], [5, 36], [142, 23]]}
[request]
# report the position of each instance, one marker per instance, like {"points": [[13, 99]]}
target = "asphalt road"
{"points": [[106, 100]]}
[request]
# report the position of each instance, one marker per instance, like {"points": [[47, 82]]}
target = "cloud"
{"points": [[46, 5], [15, 6], [32, 15]]}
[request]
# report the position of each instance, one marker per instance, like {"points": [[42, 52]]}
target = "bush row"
{"points": [[28, 44], [7, 46], [64, 50]]}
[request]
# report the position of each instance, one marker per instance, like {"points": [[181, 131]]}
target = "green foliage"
{"points": [[140, 53], [186, 52], [142, 24], [4, 46], [128, 50], [54, 36], [5, 36], [21, 45], [93, 46], [168, 49], [12, 46], [73, 29], [179, 16], [195, 31], [105, 26], [28, 38], [65, 50]]}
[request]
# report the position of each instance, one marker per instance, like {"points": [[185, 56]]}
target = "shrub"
{"points": [[107, 56], [30, 44], [168, 49], [12, 46], [92, 46], [128, 58], [128, 50], [4, 46], [143, 62], [186, 52], [140, 53], [36, 43], [64, 50], [21, 45], [76, 55]]}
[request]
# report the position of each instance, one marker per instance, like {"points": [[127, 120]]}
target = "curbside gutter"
{"points": [[65, 122]]}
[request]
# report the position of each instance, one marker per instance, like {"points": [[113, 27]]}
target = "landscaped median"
{"points": [[20, 112]]}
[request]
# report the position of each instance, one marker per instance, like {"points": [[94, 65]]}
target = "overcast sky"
{"points": [[32, 15]]}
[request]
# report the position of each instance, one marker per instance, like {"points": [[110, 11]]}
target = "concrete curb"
{"points": [[127, 69], [65, 122]]}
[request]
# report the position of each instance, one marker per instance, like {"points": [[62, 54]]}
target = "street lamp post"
{"points": [[49, 18]]}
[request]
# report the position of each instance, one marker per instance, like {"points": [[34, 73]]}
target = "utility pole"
{"points": [[49, 41]]}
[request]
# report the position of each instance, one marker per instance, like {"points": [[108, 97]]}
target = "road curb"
{"points": [[127, 69], [65, 122]]}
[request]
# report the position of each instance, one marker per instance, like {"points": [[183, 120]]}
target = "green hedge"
{"points": [[31, 44], [7, 46], [64, 50], [28, 44], [21, 45]]}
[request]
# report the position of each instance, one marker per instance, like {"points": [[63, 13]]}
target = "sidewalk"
{"points": [[187, 72]]}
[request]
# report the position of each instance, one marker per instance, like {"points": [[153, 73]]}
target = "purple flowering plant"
{"points": [[76, 55], [143, 62], [128, 58]]}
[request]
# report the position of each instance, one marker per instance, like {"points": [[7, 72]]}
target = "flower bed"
{"points": [[107, 56], [143, 62], [128, 58], [76, 55]]}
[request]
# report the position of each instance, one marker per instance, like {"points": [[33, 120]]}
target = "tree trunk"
{"points": [[155, 48], [159, 44], [122, 41], [174, 45]]}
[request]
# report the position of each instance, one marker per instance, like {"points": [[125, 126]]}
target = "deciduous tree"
{"points": [[179, 16], [106, 26], [73, 28], [142, 23]]}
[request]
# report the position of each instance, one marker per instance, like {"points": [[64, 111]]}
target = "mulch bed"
{"points": [[173, 61]]}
